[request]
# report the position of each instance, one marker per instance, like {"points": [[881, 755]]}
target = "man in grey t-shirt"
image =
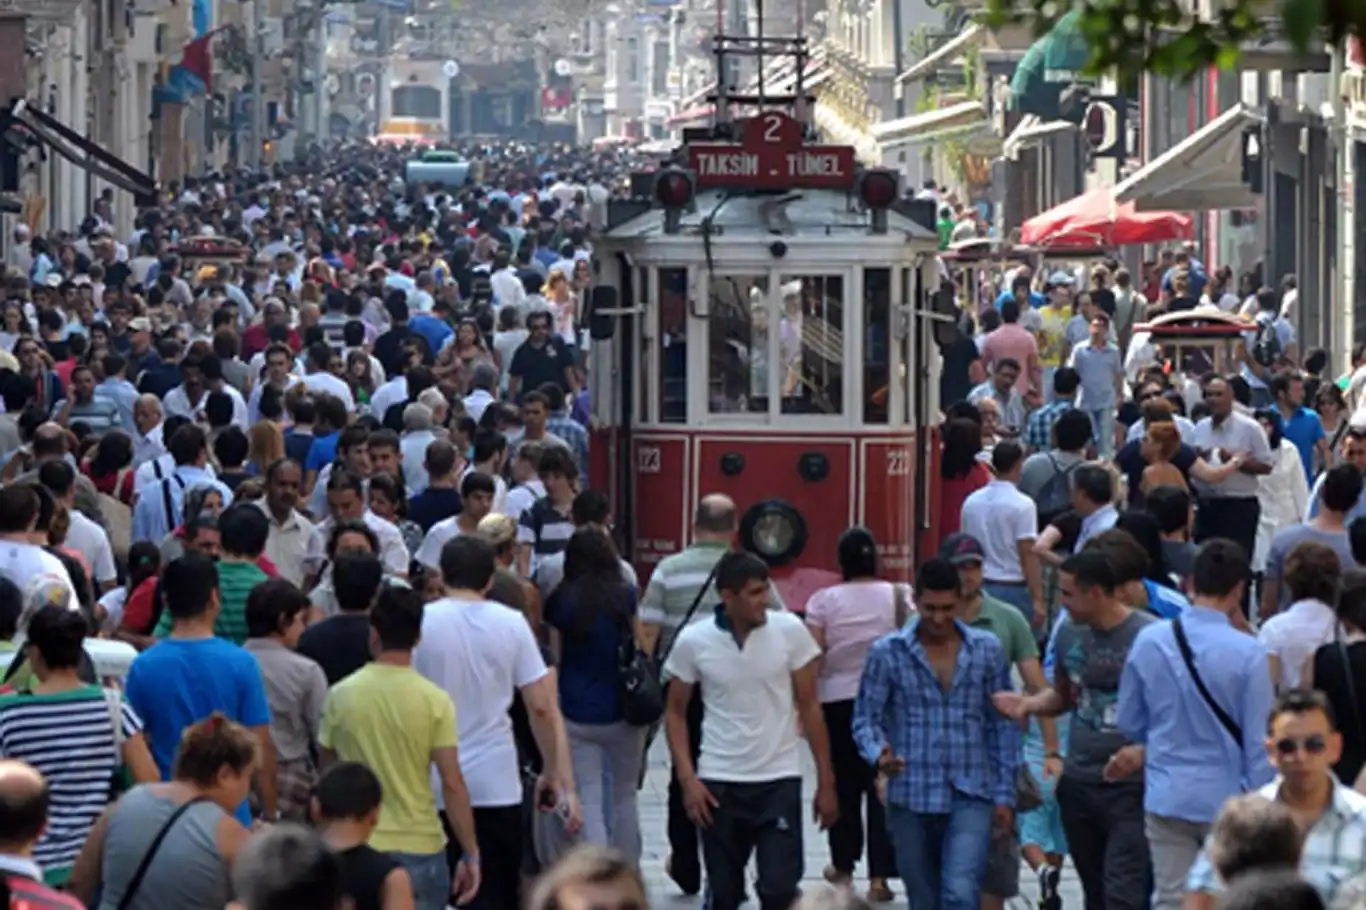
{"points": [[1338, 495], [1100, 794]]}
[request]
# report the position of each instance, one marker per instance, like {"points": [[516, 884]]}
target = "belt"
{"points": [[1009, 584]]}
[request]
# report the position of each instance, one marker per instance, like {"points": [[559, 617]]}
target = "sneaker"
{"points": [[1049, 877]]}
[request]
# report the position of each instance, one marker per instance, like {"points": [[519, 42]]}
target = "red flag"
{"points": [[197, 58]]}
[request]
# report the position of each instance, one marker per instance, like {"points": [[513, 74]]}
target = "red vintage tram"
{"points": [[768, 338]]}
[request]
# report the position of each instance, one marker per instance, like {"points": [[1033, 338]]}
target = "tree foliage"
{"points": [[1162, 36]]}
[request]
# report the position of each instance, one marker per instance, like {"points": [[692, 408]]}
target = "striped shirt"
{"points": [[235, 581], [545, 529], [69, 738], [674, 586], [101, 414]]}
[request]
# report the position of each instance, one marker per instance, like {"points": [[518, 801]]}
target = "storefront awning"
{"points": [[838, 131], [85, 154], [1049, 66], [942, 123], [693, 116], [1202, 172], [945, 54], [1030, 131]]}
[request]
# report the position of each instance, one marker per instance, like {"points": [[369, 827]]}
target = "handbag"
{"points": [[642, 694], [1184, 645]]}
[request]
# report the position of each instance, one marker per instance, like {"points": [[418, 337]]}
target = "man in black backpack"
{"points": [[1046, 476]]}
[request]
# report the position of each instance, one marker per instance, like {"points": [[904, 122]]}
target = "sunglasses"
{"points": [[1312, 745]]}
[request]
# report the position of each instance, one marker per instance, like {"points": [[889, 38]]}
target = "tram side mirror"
{"points": [[602, 320], [944, 312]]}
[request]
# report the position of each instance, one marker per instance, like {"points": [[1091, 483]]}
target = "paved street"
{"points": [[654, 809]]}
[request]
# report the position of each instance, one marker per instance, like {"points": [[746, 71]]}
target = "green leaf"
{"points": [[1302, 19]]}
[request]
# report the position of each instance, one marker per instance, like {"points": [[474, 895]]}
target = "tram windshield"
{"points": [[789, 344]]}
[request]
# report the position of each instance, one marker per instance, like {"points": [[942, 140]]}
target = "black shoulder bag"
{"points": [[134, 883], [1349, 677], [1185, 646], [642, 693]]}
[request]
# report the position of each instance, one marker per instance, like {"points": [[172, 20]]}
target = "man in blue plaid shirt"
{"points": [[924, 716], [1039, 429]]}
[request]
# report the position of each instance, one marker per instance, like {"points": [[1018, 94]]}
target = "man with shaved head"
{"points": [[23, 816], [148, 437], [681, 591]]}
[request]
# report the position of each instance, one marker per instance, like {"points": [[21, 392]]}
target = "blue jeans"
{"points": [[942, 857], [431, 879], [1103, 426], [1015, 595]]}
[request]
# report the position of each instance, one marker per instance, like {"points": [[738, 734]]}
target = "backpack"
{"points": [[1266, 343], [1055, 496]]}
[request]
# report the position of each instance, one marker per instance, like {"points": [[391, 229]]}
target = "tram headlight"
{"points": [[774, 530], [674, 188], [879, 188]]}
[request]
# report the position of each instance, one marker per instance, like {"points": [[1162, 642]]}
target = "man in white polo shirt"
{"points": [[757, 672], [1006, 523]]}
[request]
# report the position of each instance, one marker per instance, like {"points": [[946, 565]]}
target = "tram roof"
{"points": [[802, 213]]}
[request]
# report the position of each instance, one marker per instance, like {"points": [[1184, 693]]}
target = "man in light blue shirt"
{"points": [[160, 509], [1101, 368], [1093, 494], [1351, 450], [1196, 755], [116, 387]]}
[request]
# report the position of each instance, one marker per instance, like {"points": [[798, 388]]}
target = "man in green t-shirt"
{"points": [[982, 611]]}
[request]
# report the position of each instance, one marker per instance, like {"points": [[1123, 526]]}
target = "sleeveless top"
{"points": [[364, 870], [188, 872]]}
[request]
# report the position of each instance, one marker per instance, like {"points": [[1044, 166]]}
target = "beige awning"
{"points": [[966, 117], [945, 54], [1203, 172]]}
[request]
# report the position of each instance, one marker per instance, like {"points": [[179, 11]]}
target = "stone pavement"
{"points": [[654, 800]]}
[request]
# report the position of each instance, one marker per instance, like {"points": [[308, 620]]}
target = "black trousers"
{"points": [[684, 864], [500, 832], [1106, 839], [1233, 519], [764, 819], [854, 785]]}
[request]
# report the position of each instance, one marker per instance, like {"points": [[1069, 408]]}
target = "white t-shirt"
{"points": [[480, 652], [522, 497], [749, 722], [331, 385], [429, 554], [23, 562], [1000, 517], [90, 540]]}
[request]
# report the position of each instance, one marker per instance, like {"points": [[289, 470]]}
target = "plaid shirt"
{"points": [[572, 432], [1334, 855], [950, 741], [1039, 431]]}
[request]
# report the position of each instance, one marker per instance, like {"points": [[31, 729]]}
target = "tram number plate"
{"points": [[648, 460], [898, 462]]}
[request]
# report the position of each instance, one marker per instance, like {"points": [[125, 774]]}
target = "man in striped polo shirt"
{"points": [[674, 587], [545, 528]]}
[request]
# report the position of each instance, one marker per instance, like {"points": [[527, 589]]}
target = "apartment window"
{"points": [[633, 60], [659, 76]]}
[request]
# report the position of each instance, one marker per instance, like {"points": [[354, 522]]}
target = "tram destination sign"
{"points": [[771, 155]]}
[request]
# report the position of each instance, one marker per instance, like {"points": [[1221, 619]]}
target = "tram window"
{"points": [[422, 101], [737, 344], [877, 339], [673, 345], [811, 344]]}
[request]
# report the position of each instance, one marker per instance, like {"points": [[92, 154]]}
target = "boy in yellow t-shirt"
{"points": [[386, 716]]}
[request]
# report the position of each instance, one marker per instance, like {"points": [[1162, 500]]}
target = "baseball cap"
{"points": [[1061, 279], [140, 324], [961, 548]]}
